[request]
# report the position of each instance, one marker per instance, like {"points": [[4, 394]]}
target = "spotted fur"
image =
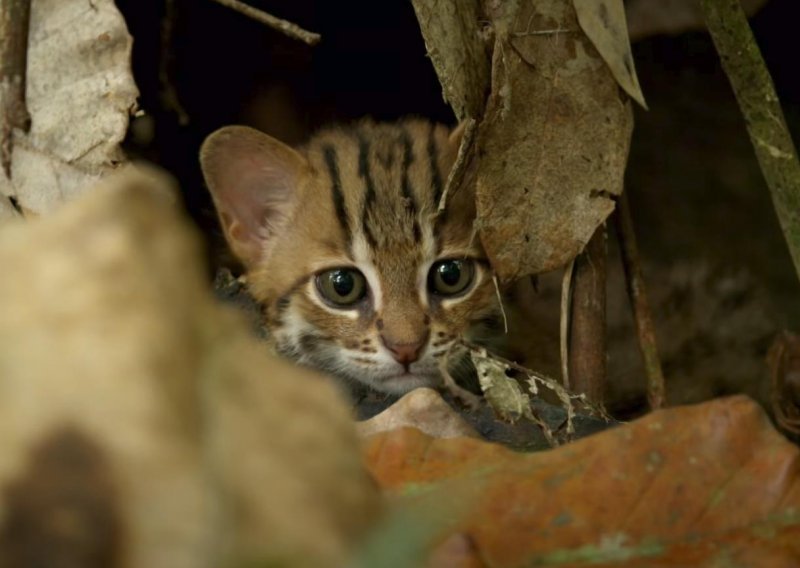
{"points": [[365, 197]]}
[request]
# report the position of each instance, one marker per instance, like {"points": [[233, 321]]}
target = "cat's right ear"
{"points": [[253, 179]]}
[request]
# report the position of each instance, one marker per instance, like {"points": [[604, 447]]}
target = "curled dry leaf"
{"points": [[453, 41], [80, 91], [509, 402], [784, 364], [553, 143], [664, 490], [603, 21]]}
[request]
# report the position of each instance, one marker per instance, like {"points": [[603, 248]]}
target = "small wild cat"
{"points": [[343, 246]]}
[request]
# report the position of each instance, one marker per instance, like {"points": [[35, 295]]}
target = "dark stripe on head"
{"points": [[369, 191], [408, 194], [336, 189], [281, 306], [433, 163]]}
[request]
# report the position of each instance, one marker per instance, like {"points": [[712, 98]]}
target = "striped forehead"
{"points": [[385, 182]]}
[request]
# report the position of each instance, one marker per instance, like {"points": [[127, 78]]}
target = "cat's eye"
{"points": [[450, 277], [342, 287]]}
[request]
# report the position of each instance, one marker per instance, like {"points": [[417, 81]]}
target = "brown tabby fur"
{"points": [[365, 197]]}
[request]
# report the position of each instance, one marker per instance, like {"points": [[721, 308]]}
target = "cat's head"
{"points": [[341, 241]]}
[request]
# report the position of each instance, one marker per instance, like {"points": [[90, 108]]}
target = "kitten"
{"points": [[342, 245]]}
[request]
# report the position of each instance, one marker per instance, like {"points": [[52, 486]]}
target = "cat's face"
{"points": [[342, 245]]}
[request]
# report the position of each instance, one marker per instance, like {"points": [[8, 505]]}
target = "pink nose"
{"points": [[404, 353]]}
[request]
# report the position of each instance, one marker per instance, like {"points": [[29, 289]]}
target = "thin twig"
{"points": [[587, 337], [287, 28], [634, 282], [555, 32], [14, 22], [566, 304], [169, 94], [755, 92], [500, 301], [459, 167]]}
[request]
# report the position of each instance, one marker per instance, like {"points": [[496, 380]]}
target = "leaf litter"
{"points": [[505, 395]]}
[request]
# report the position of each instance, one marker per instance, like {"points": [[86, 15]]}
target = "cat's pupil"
{"points": [[343, 282], [450, 272]]}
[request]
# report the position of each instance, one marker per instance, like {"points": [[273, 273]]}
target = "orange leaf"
{"points": [[684, 485]]}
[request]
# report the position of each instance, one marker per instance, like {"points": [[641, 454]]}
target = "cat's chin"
{"points": [[405, 382]]}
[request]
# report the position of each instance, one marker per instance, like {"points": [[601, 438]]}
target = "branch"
{"points": [[634, 282], [283, 26], [14, 20], [564, 318], [166, 64], [587, 337], [762, 112]]}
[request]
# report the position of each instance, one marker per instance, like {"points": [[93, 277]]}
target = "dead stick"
{"points": [[752, 85], [587, 349], [166, 64], [283, 26], [564, 319], [14, 20], [638, 298]]}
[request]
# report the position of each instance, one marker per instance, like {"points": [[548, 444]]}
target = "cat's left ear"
{"points": [[253, 180]]}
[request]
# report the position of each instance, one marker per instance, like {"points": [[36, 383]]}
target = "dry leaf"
{"points": [[784, 364], [80, 92], [680, 487], [130, 400], [603, 21], [450, 30], [553, 143], [503, 393]]}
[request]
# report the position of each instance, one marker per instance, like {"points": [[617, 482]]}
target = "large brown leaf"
{"points": [[553, 142], [685, 486]]}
